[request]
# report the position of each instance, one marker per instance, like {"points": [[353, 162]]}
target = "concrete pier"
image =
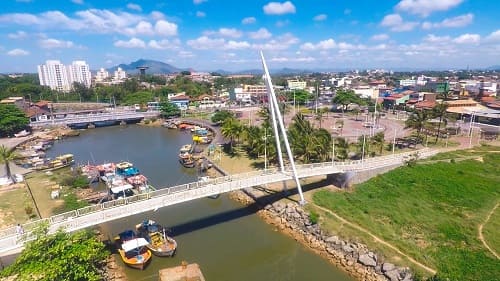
{"points": [[184, 272]]}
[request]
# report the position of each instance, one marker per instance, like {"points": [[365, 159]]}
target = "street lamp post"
{"points": [[471, 128], [333, 150], [394, 142], [265, 149]]}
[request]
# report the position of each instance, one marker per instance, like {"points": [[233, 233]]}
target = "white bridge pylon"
{"points": [[276, 117]]}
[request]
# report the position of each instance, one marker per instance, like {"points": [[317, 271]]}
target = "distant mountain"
{"points": [[154, 67]]}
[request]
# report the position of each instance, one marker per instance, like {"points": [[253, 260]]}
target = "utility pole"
{"points": [[333, 150], [394, 142], [363, 153]]}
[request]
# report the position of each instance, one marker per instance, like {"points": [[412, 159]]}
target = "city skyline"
{"points": [[210, 35]]}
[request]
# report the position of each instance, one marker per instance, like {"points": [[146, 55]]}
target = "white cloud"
{"points": [[426, 7], [79, 2], [225, 32], [380, 37], [248, 20], [437, 39], [156, 15], [235, 45], [200, 14], [459, 21], [165, 28], [92, 20], [395, 23], [55, 44], [186, 54], [282, 42], [322, 45], [494, 36], [262, 33], [17, 52], [197, 2], [163, 44], [132, 43], [143, 28], [205, 43], [277, 8], [467, 39], [320, 17], [134, 7], [18, 35]]}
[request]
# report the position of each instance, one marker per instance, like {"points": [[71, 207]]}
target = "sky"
{"points": [[208, 35]]}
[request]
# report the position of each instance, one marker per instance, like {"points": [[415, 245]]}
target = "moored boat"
{"points": [[126, 169], [187, 162], [106, 123], [133, 250], [159, 243]]}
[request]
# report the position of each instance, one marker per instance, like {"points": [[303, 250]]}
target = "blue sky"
{"points": [[224, 34]]}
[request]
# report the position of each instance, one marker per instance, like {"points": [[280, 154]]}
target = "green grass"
{"points": [[430, 212], [491, 231]]}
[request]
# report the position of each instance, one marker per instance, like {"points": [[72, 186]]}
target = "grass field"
{"points": [[432, 212]]}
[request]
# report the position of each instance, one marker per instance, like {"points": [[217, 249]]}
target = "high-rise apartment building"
{"points": [[53, 74], [101, 75], [119, 74], [79, 72], [61, 78]]}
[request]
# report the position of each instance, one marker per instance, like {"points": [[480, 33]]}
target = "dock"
{"points": [[183, 272]]}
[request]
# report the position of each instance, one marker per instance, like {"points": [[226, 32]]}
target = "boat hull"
{"points": [[76, 126], [106, 123], [135, 262]]}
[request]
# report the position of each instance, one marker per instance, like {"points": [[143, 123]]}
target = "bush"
{"points": [[147, 121], [313, 217]]}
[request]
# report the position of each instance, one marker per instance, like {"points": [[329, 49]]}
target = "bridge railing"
{"points": [[253, 176]]}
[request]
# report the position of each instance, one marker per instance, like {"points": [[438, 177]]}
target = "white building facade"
{"points": [[119, 75], [59, 77], [101, 75]]}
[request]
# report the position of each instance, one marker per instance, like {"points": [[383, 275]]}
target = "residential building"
{"points": [[407, 82], [366, 92], [119, 75], [296, 84], [101, 75], [59, 77], [54, 75], [179, 99], [79, 72], [242, 97]]}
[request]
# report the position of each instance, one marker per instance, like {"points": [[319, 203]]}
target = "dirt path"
{"points": [[480, 229], [377, 239]]}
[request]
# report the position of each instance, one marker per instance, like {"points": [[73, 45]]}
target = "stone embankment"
{"points": [[354, 258]]}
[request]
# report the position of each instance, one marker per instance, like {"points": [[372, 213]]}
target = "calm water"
{"points": [[227, 240]]}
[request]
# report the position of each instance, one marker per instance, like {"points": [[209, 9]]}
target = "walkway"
{"points": [[480, 230], [112, 210]]}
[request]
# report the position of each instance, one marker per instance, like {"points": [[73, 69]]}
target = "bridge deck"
{"points": [[112, 210]]}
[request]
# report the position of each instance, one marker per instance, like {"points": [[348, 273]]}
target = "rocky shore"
{"points": [[355, 258]]}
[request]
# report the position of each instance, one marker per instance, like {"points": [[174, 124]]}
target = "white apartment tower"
{"points": [[119, 74], [79, 72], [101, 75], [61, 78]]}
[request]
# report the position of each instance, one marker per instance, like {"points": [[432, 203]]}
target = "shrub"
{"points": [[147, 121], [313, 217]]}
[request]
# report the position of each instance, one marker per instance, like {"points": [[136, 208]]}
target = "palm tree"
{"points": [[417, 120], [439, 110], [378, 141], [356, 112], [319, 117], [341, 148], [7, 155], [231, 129]]}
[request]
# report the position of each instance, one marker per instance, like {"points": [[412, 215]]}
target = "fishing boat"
{"points": [[82, 125], [126, 169], [187, 162], [159, 243], [106, 123], [133, 250]]}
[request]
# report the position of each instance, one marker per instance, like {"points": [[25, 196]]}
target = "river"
{"points": [[228, 240]]}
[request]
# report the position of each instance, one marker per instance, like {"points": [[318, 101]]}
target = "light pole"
{"points": [[471, 128], [333, 150], [363, 153], [394, 142], [265, 149]]}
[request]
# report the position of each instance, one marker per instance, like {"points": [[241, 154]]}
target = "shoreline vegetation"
{"points": [[359, 256]]}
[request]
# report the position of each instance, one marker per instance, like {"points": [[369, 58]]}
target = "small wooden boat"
{"points": [[187, 162], [159, 243], [133, 250]]}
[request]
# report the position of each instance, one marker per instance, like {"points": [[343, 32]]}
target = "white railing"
{"points": [[93, 118], [100, 213]]}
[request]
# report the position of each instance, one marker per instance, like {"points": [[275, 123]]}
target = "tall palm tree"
{"points": [[319, 117], [341, 148], [417, 120], [232, 129], [378, 141], [439, 110], [6, 156]]}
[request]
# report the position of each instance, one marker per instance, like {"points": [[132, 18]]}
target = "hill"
{"points": [[155, 67]]}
